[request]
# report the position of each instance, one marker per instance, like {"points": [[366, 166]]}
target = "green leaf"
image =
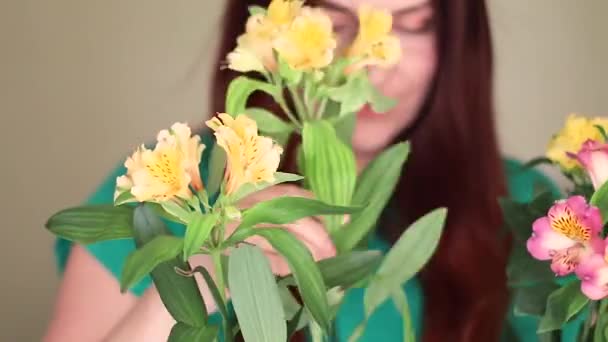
{"points": [[198, 231], [345, 126], [381, 103], [255, 10], [331, 170], [600, 200], [295, 324], [255, 296], [177, 211], [408, 255], [239, 91], [268, 122], [602, 132], [143, 260], [281, 210], [182, 332], [401, 303], [388, 167], [562, 305], [295, 314], [179, 294], [125, 197], [518, 218], [90, 224], [305, 271], [290, 75], [524, 270], [217, 165], [532, 300], [215, 292], [249, 188], [346, 270], [353, 94]]}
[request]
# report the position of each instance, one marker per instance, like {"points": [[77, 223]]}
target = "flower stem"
{"points": [[280, 99], [216, 255], [297, 100], [321, 109], [589, 322], [599, 334]]}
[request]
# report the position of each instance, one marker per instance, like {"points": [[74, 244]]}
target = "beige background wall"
{"points": [[98, 77]]}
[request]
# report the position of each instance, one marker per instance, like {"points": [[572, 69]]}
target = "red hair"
{"points": [[454, 163]]}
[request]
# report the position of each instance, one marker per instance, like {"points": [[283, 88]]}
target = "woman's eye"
{"points": [[421, 20]]}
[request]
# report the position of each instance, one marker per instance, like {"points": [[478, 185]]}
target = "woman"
{"points": [[444, 88]]}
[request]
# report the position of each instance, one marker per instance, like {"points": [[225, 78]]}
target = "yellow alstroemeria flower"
{"points": [[190, 148], [282, 12], [309, 42], [374, 44], [250, 158], [571, 137], [254, 51], [156, 175]]}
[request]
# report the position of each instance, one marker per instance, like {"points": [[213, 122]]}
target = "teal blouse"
{"points": [[385, 324]]}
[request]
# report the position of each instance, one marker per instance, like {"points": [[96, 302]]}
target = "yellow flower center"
{"points": [[567, 223], [165, 168]]}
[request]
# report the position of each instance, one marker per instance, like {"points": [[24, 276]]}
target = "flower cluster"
{"points": [[303, 37], [577, 130], [571, 235], [171, 170]]}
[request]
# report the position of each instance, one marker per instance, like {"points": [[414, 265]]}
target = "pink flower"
{"points": [[568, 235], [593, 273], [593, 156]]}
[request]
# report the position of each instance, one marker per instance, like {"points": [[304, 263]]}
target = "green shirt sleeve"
{"points": [[522, 184], [112, 254]]}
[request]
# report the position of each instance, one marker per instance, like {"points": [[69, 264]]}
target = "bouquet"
{"points": [[559, 265], [290, 53]]}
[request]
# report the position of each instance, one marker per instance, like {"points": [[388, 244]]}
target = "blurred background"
{"points": [[83, 82]]}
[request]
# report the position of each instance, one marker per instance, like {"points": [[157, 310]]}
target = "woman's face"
{"points": [[407, 82]]}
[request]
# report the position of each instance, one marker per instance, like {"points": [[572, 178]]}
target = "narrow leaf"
{"points": [[180, 295], [331, 169], [239, 91], [143, 260], [563, 304], [182, 332], [408, 255], [306, 273], [524, 270], [90, 224], [281, 210], [217, 165], [347, 269], [215, 292], [268, 122], [249, 188], [600, 200], [388, 167], [532, 300], [255, 296], [197, 232]]}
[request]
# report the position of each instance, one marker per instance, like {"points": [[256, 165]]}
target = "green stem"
{"points": [[216, 255], [589, 322], [321, 109], [297, 100], [280, 99], [598, 335]]}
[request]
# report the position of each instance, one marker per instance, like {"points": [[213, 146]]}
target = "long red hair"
{"points": [[454, 163]]}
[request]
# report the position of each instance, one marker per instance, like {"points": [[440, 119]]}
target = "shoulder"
{"points": [[524, 182]]}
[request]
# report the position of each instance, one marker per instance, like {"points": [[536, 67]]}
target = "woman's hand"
{"points": [[308, 230]]}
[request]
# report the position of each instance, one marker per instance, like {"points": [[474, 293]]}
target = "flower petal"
{"points": [[545, 241]]}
